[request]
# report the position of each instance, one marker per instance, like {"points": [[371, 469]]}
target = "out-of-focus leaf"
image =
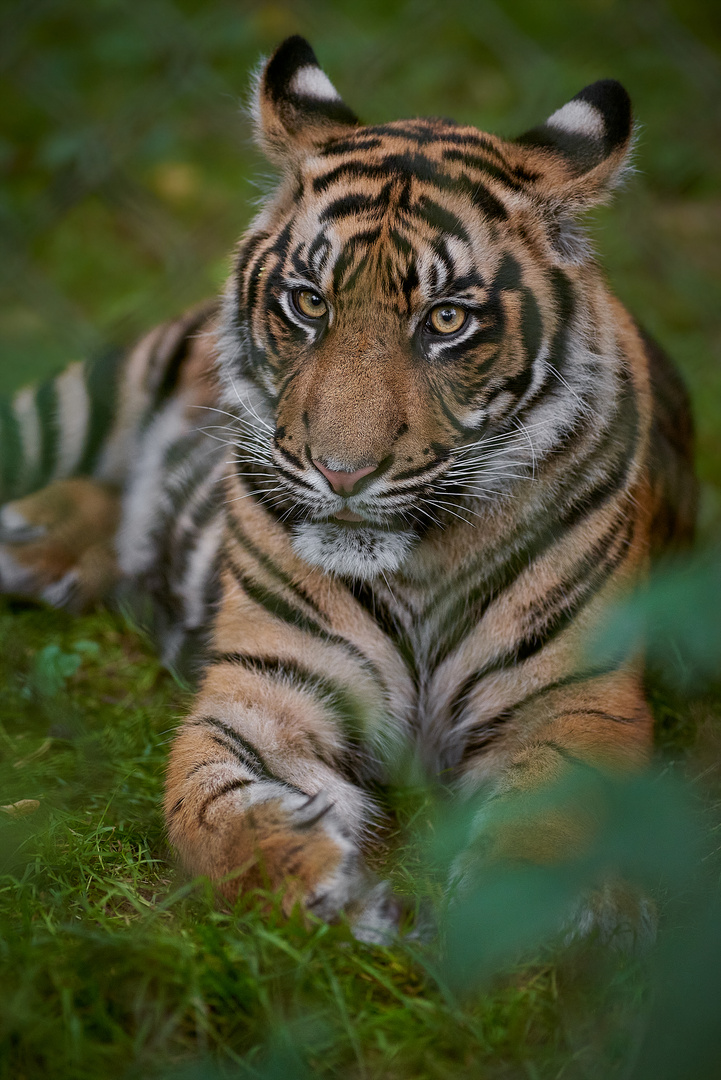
{"points": [[644, 831], [676, 617]]}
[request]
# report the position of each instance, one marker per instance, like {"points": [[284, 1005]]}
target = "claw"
{"points": [[376, 918], [304, 820], [14, 529]]}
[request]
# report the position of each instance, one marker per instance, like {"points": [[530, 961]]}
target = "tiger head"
{"points": [[410, 321]]}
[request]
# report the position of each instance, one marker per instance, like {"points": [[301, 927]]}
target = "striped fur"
{"points": [[390, 539]]}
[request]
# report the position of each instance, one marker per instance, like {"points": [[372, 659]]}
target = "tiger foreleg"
{"points": [[549, 804], [239, 815], [57, 545]]}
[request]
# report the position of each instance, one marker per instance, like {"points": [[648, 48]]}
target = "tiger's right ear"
{"points": [[296, 108]]}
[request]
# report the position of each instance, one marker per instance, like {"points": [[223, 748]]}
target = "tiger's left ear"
{"points": [[581, 152], [296, 107]]}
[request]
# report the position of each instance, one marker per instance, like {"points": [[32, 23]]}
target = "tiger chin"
{"points": [[381, 491], [351, 549]]}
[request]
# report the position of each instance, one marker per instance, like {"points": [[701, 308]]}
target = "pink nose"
{"points": [[343, 482]]}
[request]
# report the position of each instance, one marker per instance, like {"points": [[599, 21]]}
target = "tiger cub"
{"points": [[383, 489]]}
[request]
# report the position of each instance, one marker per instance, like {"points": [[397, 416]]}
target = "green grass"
{"points": [[127, 176], [113, 965]]}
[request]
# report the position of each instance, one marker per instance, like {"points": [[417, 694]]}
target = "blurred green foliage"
{"points": [[127, 175], [674, 619]]}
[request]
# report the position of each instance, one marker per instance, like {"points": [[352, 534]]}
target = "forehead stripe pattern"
{"points": [[422, 169]]}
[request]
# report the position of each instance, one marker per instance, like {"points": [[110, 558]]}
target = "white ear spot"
{"points": [[310, 81], [579, 118]]}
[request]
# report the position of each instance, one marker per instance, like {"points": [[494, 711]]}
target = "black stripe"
{"points": [[585, 675], [496, 725], [590, 575], [224, 744], [475, 161], [423, 169], [356, 203], [343, 703], [596, 566], [452, 419], [389, 623], [274, 604], [401, 244], [284, 452], [291, 477], [244, 751], [201, 765], [47, 405], [280, 609], [480, 736], [568, 757], [184, 543], [564, 302], [600, 713], [409, 474], [348, 254], [11, 451], [232, 785], [438, 217], [350, 146], [319, 252], [174, 362], [245, 271], [268, 565], [579, 505], [423, 132], [101, 381], [509, 275]]}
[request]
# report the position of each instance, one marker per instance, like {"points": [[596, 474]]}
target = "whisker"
{"points": [[269, 475], [388, 586], [530, 443], [446, 509], [251, 429], [248, 406], [250, 494]]}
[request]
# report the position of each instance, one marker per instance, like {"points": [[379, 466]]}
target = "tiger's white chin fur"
{"points": [[361, 553]]}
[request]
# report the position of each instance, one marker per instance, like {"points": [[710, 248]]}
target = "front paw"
{"points": [[300, 844], [56, 545], [615, 915], [347, 886]]}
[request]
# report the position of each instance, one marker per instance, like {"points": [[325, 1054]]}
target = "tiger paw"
{"points": [[296, 843], [615, 915], [56, 545]]}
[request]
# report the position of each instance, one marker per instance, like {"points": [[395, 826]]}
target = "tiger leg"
{"points": [[57, 544], [250, 804], [600, 728]]}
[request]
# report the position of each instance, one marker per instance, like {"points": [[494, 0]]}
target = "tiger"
{"points": [[378, 495]]}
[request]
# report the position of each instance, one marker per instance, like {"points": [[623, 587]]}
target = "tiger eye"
{"points": [[310, 304], [446, 318]]}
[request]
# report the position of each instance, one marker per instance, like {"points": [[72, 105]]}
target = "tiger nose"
{"points": [[343, 482]]}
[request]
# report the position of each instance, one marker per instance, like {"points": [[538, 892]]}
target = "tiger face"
{"points": [[399, 313]]}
